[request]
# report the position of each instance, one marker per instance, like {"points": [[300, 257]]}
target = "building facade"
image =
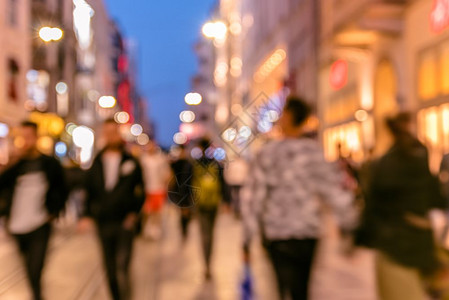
{"points": [[427, 40], [15, 61], [15, 53], [361, 73]]}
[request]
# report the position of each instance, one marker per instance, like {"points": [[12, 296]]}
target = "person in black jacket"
{"points": [[115, 197], [180, 189], [400, 192], [35, 194]]}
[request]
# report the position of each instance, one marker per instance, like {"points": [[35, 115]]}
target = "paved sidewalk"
{"points": [[181, 273], [171, 270]]}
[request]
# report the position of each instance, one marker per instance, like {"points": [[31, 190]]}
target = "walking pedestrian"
{"points": [[211, 190], [115, 196], [399, 195], [156, 174], [36, 195], [286, 182], [235, 174], [181, 192]]}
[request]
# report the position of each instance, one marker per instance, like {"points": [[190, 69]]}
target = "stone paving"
{"points": [[172, 270]]}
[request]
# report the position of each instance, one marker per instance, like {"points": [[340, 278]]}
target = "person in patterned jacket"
{"points": [[288, 180]]}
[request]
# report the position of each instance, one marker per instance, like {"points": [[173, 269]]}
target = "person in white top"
{"points": [[235, 174], [156, 174], [36, 194]]}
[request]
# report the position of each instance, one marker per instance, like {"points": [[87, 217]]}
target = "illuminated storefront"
{"points": [[363, 75], [342, 125], [433, 97], [429, 58]]}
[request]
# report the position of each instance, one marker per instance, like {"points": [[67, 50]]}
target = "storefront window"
{"points": [[342, 108], [444, 67], [349, 137], [433, 76], [433, 121], [445, 126], [428, 84], [433, 131]]}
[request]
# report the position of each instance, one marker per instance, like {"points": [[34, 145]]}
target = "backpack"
{"points": [[206, 183]]}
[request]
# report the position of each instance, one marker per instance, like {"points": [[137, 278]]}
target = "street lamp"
{"points": [[48, 34], [107, 102], [136, 130], [187, 116], [193, 99], [122, 117], [215, 30]]}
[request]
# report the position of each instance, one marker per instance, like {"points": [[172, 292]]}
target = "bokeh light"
{"points": [[193, 98], [136, 129], [107, 102], [83, 137], [187, 116], [122, 117], [143, 139], [180, 138], [61, 88]]}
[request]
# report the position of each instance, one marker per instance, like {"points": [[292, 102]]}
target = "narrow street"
{"points": [[171, 270]]}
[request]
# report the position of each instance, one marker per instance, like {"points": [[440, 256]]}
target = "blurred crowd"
{"points": [[392, 204]]}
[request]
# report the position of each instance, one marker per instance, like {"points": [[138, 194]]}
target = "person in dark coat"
{"points": [[400, 193], [115, 197], [181, 191], [35, 193]]}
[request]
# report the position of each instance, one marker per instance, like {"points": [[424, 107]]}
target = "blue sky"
{"points": [[166, 33]]}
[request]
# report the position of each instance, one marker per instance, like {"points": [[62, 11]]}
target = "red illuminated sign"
{"points": [[339, 74], [439, 17]]}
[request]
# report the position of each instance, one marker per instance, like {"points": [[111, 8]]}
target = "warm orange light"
{"points": [[270, 65]]}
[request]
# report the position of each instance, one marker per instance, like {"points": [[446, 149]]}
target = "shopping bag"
{"points": [[246, 286]]}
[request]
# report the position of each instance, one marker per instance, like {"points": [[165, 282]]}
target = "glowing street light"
{"points": [[83, 137], [229, 135], [187, 116], [107, 102], [361, 115], [143, 139], [122, 117], [215, 30], [48, 34], [180, 138], [193, 99]]}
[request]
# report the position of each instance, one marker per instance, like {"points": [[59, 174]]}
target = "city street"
{"points": [[169, 270], [312, 118]]}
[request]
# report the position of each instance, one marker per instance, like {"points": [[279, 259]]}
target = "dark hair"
{"points": [[398, 124], [29, 124], [299, 109], [204, 143]]}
